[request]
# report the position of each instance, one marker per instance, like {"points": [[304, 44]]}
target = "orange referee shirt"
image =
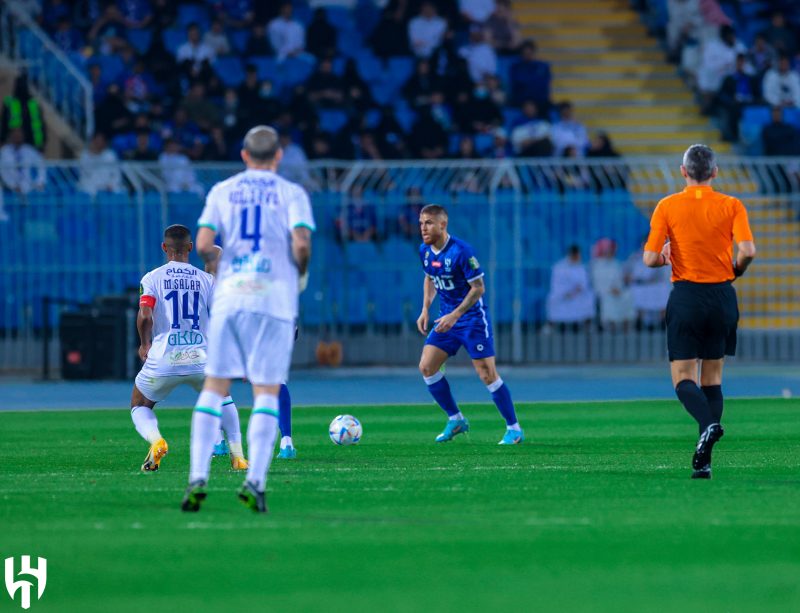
{"points": [[701, 225]]}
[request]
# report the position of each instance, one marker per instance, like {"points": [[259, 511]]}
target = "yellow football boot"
{"points": [[239, 463], [153, 460]]}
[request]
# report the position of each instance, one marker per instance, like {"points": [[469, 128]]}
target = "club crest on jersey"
{"points": [[473, 263], [447, 262]]}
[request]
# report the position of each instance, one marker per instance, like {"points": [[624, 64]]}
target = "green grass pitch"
{"points": [[595, 512]]}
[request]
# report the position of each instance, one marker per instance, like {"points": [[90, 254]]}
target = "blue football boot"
{"points": [[221, 448], [288, 453], [454, 427], [512, 437]]}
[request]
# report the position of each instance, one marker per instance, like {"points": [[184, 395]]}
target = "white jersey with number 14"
{"points": [[179, 295]]}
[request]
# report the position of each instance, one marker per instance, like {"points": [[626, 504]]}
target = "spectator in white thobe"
{"points": [[571, 299], [426, 31], [608, 280], [650, 288], [782, 84], [479, 55], [21, 165], [100, 169], [177, 171], [286, 35], [477, 11]]}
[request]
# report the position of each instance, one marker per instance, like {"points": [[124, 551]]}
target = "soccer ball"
{"points": [[345, 430]]}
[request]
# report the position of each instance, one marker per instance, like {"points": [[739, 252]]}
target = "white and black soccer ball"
{"points": [[345, 430]]}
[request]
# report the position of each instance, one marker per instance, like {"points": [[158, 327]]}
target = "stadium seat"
{"points": [[404, 115], [192, 13], [756, 115], [239, 38], [332, 120], [140, 39], [340, 18], [230, 71], [369, 67], [267, 67], [296, 70], [172, 39], [792, 116]]}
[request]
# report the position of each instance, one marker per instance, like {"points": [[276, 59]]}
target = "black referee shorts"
{"points": [[701, 321]]}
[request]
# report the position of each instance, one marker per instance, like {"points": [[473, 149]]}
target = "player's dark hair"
{"points": [[699, 162], [262, 143], [573, 250], [434, 209], [177, 237]]}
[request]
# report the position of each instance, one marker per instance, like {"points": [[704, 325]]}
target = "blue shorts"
{"points": [[476, 337]]}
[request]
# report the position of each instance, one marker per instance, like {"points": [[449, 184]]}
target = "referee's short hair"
{"points": [[436, 210], [699, 162], [262, 143]]}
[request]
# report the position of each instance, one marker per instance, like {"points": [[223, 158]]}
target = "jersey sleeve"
{"points": [[741, 224], [300, 213], [147, 292], [469, 265], [210, 217], [658, 230]]}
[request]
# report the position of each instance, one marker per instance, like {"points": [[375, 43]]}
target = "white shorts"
{"points": [[156, 388], [253, 346]]}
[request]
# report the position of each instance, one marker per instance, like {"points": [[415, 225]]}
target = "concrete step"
{"points": [[569, 29], [623, 98], [577, 19], [573, 6], [670, 149], [628, 124], [589, 57], [632, 84], [770, 323], [647, 134], [615, 71]]}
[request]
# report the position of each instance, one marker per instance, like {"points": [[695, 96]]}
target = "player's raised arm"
{"points": [[428, 294]]}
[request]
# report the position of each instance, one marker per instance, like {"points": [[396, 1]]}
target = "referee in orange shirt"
{"points": [[695, 230]]}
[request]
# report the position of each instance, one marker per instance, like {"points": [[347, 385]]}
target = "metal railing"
{"points": [[65, 241], [52, 74]]}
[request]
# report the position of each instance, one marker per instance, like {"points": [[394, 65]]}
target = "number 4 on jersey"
{"points": [[255, 235]]}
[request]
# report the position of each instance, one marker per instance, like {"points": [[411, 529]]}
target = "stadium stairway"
{"points": [[604, 62]]}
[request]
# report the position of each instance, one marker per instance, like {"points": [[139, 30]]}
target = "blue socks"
{"points": [[502, 398], [440, 390], [285, 411]]}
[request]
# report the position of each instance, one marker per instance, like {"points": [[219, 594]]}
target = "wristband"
{"points": [[664, 263]]}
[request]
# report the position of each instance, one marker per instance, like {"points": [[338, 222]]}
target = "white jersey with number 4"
{"points": [[254, 213], [179, 295]]}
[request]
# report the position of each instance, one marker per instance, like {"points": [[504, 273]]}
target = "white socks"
{"points": [[458, 415], [230, 420], [205, 426], [261, 433], [144, 419], [515, 426], [286, 441]]}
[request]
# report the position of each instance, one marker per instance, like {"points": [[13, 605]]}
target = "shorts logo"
{"points": [[26, 571], [479, 347]]}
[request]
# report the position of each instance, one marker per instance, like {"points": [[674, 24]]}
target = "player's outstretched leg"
{"points": [[205, 425], [287, 452], [487, 371], [430, 366], [233, 430], [261, 433], [146, 424]]}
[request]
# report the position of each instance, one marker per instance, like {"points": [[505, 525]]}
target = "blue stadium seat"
{"points": [[792, 116], [140, 39], [405, 115], [332, 120], [267, 67], [369, 67], [230, 71], [112, 67], [340, 18], [351, 46], [297, 70], [239, 38], [189, 13], [173, 39], [756, 115], [401, 68]]}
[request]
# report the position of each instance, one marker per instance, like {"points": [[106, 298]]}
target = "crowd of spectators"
{"points": [[730, 75], [162, 86], [613, 294]]}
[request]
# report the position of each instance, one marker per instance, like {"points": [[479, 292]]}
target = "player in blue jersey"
{"points": [[452, 271]]}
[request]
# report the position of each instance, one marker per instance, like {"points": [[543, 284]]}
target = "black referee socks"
{"points": [[695, 402], [714, 396]]}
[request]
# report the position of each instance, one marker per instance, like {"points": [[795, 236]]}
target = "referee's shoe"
{"points": [[701, 462]]}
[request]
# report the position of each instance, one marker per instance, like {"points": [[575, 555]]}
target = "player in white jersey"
{"points": [[173, 325], [265, 223]]}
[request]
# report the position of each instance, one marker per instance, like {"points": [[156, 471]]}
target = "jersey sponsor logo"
{"points": [[251, 263], [187, 357], [442, 284], [183, 339], [436, 264], [473, 263], [187, 272]]}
